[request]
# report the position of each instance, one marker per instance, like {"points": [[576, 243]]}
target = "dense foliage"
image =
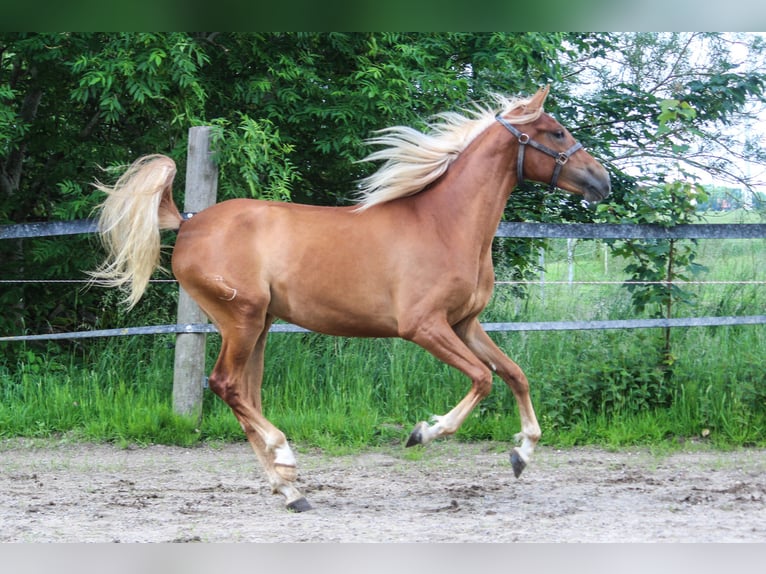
{"points": [[291, 113]]}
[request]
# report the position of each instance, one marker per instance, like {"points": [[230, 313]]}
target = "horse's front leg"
{"points": [[439, 339], [486, 349]]}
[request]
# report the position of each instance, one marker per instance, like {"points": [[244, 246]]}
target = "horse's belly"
{"points": [[343, 312]]}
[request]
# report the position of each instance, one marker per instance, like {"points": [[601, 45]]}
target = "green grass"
{"points": [[110, 399], [589, 387]]}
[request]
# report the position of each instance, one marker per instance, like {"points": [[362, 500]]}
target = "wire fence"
{"points": [[506, 229]]}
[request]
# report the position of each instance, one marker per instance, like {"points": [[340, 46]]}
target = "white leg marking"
{"points": [[284, 456]]}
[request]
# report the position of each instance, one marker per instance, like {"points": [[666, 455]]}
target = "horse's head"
{"points": [[549, 154]]}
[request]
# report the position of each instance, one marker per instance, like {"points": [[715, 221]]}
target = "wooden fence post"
{"points": [[189, 365]]}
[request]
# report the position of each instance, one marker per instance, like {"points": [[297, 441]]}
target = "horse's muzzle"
{"points": [[596, 186]]}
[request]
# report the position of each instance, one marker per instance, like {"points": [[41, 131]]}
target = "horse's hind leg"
{"points": [[237, 378]]}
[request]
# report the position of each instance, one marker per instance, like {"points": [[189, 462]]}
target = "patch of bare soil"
{"points": [[455, 492]]}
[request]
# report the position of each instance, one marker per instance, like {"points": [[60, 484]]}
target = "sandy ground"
{"points": [[451, 491]]}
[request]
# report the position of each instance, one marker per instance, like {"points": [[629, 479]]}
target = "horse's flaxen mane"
{"points": [[414, 159]]}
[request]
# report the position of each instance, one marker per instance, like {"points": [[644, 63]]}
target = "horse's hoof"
{"points": [[416, 437], [517, 462], [299, 505]]}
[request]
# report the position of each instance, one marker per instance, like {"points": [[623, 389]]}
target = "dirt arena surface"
{"points": [[454, 492]]}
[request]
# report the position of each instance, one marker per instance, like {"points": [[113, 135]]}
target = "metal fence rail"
{"points": [[48, 229], [632, 231], [505, 229]]}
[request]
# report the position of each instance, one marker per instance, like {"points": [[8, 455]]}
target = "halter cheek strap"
{"points": [[524, 140]]}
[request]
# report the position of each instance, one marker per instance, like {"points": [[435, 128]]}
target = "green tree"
{"points": [[69, 103], [666, 98], [667, 106], [673, 98], [327, 93]]}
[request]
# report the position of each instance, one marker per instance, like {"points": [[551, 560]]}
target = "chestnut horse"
{"points": [[411, 260]]}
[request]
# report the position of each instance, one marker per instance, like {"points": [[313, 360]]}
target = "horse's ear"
{"points": [[536, 102]]}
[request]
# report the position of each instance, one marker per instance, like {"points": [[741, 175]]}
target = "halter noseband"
{"points": [[561, 157]]}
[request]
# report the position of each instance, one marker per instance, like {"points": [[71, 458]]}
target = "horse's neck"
{"points": [[471, 196]]}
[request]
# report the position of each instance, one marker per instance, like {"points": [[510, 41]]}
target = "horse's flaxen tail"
{"points": [[137, 207]]}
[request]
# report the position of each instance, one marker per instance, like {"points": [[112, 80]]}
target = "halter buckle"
{"points": [[562, 158], [523, 139]]}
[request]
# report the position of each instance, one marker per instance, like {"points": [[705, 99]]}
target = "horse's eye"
{"points": [[559, 135]]}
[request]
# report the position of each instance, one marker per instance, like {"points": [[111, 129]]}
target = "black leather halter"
{"points": [[561, 157]]}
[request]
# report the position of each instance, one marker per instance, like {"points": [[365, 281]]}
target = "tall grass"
{"points": [[119, 393], [588, 387]]}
